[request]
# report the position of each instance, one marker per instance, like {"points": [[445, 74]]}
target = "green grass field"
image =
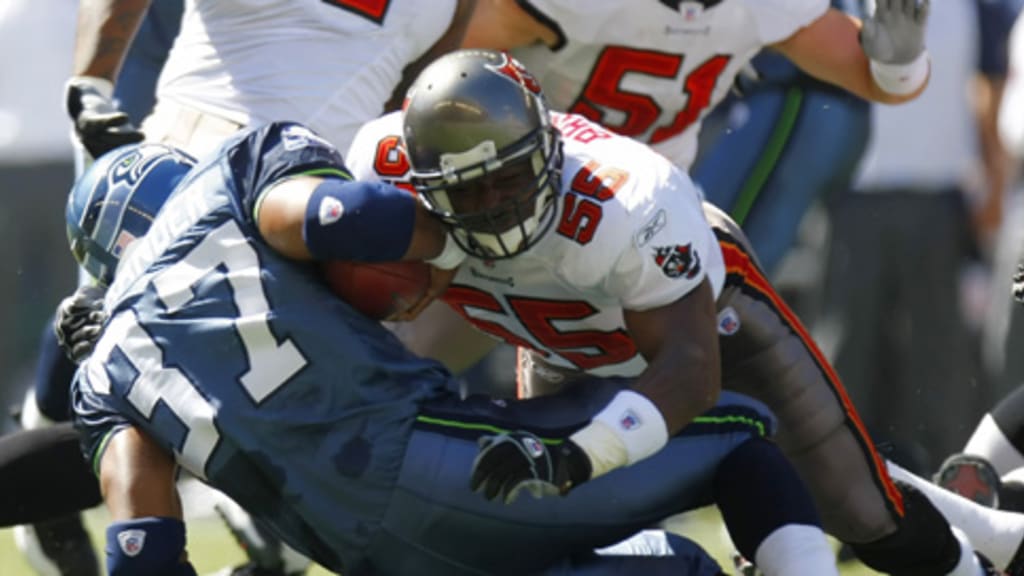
{"points": [[212, 548]]}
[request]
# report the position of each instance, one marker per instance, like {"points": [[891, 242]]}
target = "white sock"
{"points": [[796, 550], [995, 533], [31, 416], [989, 442]]}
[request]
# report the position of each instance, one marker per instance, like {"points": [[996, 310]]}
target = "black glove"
{"points": [[1018, 284], [79, 321], [514, 461], [99, 124]]}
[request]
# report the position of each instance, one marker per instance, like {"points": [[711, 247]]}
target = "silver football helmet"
{"points": [[484, 155]]}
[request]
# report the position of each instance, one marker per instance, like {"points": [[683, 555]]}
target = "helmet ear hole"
{"points": [[116, 200], [471, 115]]}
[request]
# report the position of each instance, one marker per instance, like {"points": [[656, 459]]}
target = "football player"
{"points": [[592, 255], [213, 84], [224, 348], [653, 71]]}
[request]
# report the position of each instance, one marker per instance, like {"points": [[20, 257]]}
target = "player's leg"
{"points": [[990, 470], [443, 528], [50, 465], [44, 476], [770, 356], [147, 534], [781, 147], [48, 401]]}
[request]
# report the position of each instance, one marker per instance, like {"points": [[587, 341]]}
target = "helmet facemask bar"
{"points": [[512, 225]]}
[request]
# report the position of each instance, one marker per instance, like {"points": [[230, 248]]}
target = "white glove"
{"points": [[894, 34]]}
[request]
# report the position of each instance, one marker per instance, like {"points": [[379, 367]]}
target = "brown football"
{"points": [[378, 289]]}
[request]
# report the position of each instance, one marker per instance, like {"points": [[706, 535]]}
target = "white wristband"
{"points": [[101, 85], [629, 429], [451, 255], [901, 79]]}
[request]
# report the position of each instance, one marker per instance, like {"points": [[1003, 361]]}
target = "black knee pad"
{"points": [[923, 544]]}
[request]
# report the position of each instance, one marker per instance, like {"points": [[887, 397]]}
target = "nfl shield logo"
{"points": [[131, 541], [533, 447], [331, 210], [728, 321], [629, 420]]}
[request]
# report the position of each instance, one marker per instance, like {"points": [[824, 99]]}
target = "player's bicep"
{"points": [[308, 217], [280, 214], [657, 330]]}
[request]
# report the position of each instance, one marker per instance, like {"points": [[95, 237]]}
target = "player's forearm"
{"points": [[137, 477], [309, 217], [104, 33], [683, 382], [638, 422], [830, 50], [680, 343]]}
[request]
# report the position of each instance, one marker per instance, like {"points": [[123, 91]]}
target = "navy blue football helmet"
{"points": [[115, 201]]}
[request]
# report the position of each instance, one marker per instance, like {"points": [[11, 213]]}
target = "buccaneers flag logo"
{"points": [[511, 68], [677, 261]]}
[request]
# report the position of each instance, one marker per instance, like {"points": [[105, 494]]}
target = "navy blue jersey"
{"points": [[221, 348]]}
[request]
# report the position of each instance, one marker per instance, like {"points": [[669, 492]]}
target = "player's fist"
{"points": [[99, 124], [511, 462], [439, 281], [79, 321], [894, 34]]}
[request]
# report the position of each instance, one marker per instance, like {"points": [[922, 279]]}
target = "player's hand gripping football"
{"points": [[99, 124], [894, 34], [79, 320], [511, 462], [439, 281]]}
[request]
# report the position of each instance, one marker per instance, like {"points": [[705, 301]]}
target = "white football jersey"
{"points": [[629, 233], [651, 69], [330, 64]]}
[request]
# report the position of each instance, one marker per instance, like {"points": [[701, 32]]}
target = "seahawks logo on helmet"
{"points": [[115, 202]]}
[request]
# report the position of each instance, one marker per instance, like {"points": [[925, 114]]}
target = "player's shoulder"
{"points": [[601, 164], [619, 184], [260, 156]]}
